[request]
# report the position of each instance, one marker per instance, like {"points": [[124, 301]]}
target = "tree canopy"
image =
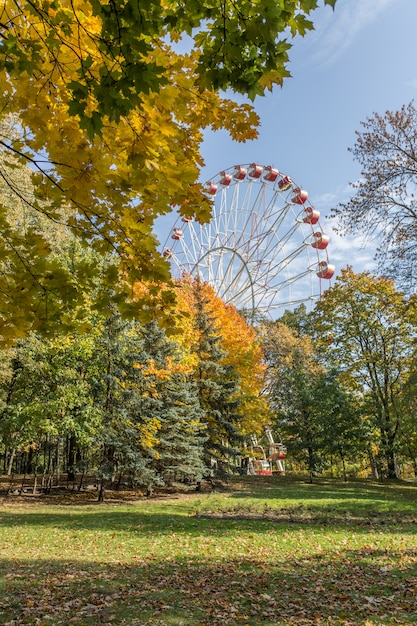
{"points": [[109, 52], [292, 378], [372, 343], [108, 103]]}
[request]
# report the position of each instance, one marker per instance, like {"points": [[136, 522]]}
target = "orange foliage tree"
{"points": [[238, 341]]}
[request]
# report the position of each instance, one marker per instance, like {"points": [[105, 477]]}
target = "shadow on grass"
{"points": [[160, 565], [401, 494], [281, 501], [222, 523], [363, 586]]}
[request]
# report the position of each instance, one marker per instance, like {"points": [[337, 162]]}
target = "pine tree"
{"points": [[218, 388], [153, 432], [178, 455]]}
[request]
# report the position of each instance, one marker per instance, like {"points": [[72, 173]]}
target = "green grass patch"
{"points": [[267, 551]]}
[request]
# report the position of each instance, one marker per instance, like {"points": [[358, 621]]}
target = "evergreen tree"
{"points": [[218, 388], [179, 451], [153, 431], [128, 414]]}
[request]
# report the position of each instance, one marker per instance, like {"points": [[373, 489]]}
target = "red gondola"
{"points": [[285, 183], [311, 215], [300, 197], [177, 234], [326, 270], [254, 170], [271, 174], [320, 242], [225, 179], [240, 172], [211, 188]]}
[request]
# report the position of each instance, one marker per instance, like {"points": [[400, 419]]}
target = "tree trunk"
{"points": [[344, 468], [331, 466], [391, 466], [311, 466], [58, 459], [80, 484], [392, 469], [10, 463], [29, 461], [72, 451], [11, 483], [101, 491], [374, 469]]}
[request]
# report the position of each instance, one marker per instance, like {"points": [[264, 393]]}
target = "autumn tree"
{"points": [[107, 51], [49, 280], [294, 373], [243, 352], [384, 204], [110, 112], [368, 320], [297, 319], [108, 190], [239, 343]]}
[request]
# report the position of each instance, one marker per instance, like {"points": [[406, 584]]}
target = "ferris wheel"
{"points": [[264, 248]]}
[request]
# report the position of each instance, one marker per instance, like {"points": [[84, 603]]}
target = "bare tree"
{"points": [[384, 206]]}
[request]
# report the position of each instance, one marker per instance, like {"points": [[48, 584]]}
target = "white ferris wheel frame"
{"points": [[261, 251]]}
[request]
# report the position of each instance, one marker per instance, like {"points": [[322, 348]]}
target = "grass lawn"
{"points": [[270, 551]]}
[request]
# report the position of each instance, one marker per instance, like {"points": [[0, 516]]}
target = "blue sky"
{"points": [[360, 59]]}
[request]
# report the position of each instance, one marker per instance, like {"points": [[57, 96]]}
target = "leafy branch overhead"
{"points": [[107, 50], [104, 105]]}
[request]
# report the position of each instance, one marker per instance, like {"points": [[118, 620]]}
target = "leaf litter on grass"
{"points": [[244, 591], [160, 568]]}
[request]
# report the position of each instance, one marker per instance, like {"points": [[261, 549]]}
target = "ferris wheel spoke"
{"points": [[194, 241], [275, 255], [283, 304], [272, 270], [288, 236], [242, 295], [290, 280], [228, 275], [231, 275], [270, 238], [222, 271], [246, 227], [237, 286]]}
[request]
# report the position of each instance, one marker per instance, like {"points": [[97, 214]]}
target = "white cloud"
{"points": [[355, 250], [412, 83], [326, 200], [336, 31]]}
